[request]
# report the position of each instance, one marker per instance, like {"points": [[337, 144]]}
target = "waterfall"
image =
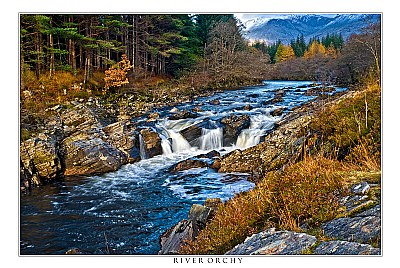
{"points": [[179, 143], [166, 147], [249, 137], [211, 138], [142, 147]]}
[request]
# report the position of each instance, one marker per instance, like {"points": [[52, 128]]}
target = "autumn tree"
{"points": [[115, 76], [284, 53], [314, 49]]}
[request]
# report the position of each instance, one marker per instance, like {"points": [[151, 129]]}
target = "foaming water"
{"points": [[125, 212]]}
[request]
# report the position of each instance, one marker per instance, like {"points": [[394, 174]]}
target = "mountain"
{"points": [[286, 28]]}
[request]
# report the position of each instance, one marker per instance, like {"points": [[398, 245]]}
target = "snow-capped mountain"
{"points": [[288, 27]]}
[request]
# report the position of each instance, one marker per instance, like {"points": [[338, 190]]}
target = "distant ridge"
{"points": [[288, 27]]}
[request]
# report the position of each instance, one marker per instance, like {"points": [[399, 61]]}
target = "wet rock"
{"points": [[248, 107], [183, 115], [85, 155], [345, 248], [151, 142], [272, 242], [189, 164], [357, 229], [277, 112], [315, 91], [40, 156], [279, 147], [192, 134], [174, 110], [215, 102], [153, 117], [209, 155], [233, 125], [278, 97], [197, 109]]}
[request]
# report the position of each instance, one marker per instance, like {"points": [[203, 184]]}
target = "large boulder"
{"points": [[123, 136], [187, 230], [80, 118], [357, 229], [40, 157], [85, 154], [272, 242], [233, 125], [150, 144], [198, 161], [172, 240], [192, 134], [188, 164], [345, 248]]}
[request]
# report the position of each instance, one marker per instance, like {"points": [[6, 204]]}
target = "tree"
{"points": [[314, 49], [284, 53], [115, 76]]}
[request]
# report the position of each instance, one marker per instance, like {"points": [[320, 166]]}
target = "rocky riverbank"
{"points": [[356, 231]]}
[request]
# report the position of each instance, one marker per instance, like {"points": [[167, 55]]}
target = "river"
{"points": [[125, 212]]}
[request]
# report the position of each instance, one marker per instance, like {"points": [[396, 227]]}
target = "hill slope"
{"points": [[310, 25]]}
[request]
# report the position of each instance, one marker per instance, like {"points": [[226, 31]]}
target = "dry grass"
{"points": [[303, 191]]}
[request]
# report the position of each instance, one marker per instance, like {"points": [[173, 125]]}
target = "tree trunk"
{"points": [[51, 62]]}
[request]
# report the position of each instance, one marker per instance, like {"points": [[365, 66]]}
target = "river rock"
{"points": [[187, 230], [183, 115], [85, 155], [278, 97], [153, 117], [282, 145], [192, 134], [173, 239], [277, 112], [315, 91], [272, 242], [123, 136], [345, 248], [233, 125], [151, 145], [188, 164], [247, 107], [198, 161], [197, 109], [40, 156]]}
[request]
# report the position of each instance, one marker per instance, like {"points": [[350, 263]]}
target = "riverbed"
{"points": [[125, 212]]}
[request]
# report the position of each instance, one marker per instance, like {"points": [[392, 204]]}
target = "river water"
{"points": [[125, 212]]}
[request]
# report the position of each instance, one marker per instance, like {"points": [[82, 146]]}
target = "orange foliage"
{"points": [[115, 76]]}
